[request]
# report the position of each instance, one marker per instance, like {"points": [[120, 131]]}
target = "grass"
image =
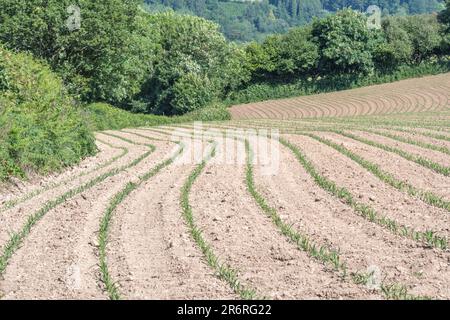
{"points": [[106, 117], [441, 169], [126, 139], [426, 196], [17, 238], [144, 136], [106, 278], [102, 116], [430, 238], [224, 271], [13, 203], [321, 253], [436, 136]]}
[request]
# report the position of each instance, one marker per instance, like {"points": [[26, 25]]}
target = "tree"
{"points": [[298, 54], [424, 33], [195, 66], [394, 46], [444, 16], [344, 43], [105, 58]]}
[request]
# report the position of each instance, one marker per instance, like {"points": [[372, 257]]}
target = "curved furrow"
{"points": [[304, 107], [367, 247], [72, 270], [14, 219], [406, 103], [373, 199], [151, 253], [247, 240], [254, 112], [431, 160], [18, 238], [420, 137], [279, 111], [355, 107], [80, 171], [322, 109], [392, 169], [403, 96], [433, 101]]}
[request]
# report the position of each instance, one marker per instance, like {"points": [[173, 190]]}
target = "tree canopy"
{"points": [[253, 20], [108, 55]]}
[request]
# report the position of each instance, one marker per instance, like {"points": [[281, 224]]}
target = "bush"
{"points": [[283, 56], [274, 90], [344, 43], [106, 117], [213, 112], [102, 116], [40, 127]]}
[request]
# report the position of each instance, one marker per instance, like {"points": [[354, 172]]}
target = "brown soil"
{"points": [[413, 95], [151, 252], [12, 220], [418, 137], [247, 240], [400, 168], [327, 221], [58, 260], [435, 156], [368, 189], [18, 188]]}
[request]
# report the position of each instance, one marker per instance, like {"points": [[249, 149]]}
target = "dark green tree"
{"points": [[344, 43], [196, 65], [105, 57]]}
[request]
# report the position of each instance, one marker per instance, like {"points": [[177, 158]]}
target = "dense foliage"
{"points": [[172, 64], [105, 58], [102, 116], [253, 20], [195, 65], [40, 127], [341, 45]]}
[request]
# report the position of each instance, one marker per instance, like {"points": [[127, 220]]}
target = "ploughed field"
{"points": [[413, 95], [280, 203]]}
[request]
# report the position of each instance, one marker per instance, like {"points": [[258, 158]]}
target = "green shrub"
{"points": [[213, 112], [103, 116], [275, 90], [344, 43], [191, 92], [196, 65], [40, 127], [106, 117]]}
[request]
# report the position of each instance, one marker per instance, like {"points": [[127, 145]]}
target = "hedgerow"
{"points": [[102, 116]]}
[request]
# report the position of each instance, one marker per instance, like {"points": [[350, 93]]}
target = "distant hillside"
{"points": [[245, 20]]}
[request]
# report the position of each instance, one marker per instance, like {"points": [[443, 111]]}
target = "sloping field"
{"points": [[414, 95], [342, 208]]}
